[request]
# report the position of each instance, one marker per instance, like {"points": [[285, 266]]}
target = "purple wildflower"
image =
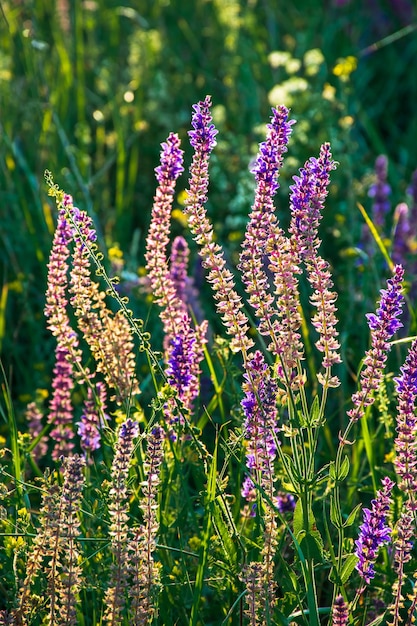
{"points": [[373, 532], [93, 418], [340, 614], [204, 133], [181, 357], [180, 253], [307, 202], [406, 441], [259, 407], [402, 234], [171, 161], [285, 502], [248, 490], [265, 241], [67, 352], [229, 303], [157, 240], [380, 191], [60, 408], [383, 325]]}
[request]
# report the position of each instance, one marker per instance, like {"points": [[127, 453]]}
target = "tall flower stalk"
{"points": [[115, 598], [55, 551], [228, 302], [144, 569], [67, 352], [108, 335], [264, 237], [183, 341], [383, 324], [306, 202], [374, 532], [406, 441]]}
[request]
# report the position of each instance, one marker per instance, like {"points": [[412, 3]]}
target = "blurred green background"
{"points": [[89, 89]]}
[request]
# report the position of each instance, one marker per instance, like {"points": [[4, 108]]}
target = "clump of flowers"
{"points": [[374, 532], [179, 465]]}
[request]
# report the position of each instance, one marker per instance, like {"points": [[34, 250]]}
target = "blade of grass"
{"points": [[376, 236]]}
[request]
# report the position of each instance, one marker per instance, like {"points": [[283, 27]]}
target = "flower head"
{"points": [[171, 161], [380, 191], [204, 133], [373, 532], [340, 615], [229, 303], [383, 324], [406, 441]]}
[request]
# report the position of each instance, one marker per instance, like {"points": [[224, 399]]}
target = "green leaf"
{"points": [[292, 473], [298, 519], [335, 514], [314, 412], [312, 546], [224, 533], [301, 529], [347, 568], [342, 472], [352, 516]]}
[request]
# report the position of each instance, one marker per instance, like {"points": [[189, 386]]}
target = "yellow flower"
{"points": [[328, 92], [345, 66], [182, 196], [178, 215]]}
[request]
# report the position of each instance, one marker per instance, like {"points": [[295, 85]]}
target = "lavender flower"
{"points": [[259, 407], [401, 235], [307, 202], [115, 597], [67, 353], [229, 304], [265, 241], [180, 253], [340, 615], [406, 442], [93, 418], [373, 532], [107, 334], [403, 544], [158, 236], [144, 569], [380, 191], [383, 325]]}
